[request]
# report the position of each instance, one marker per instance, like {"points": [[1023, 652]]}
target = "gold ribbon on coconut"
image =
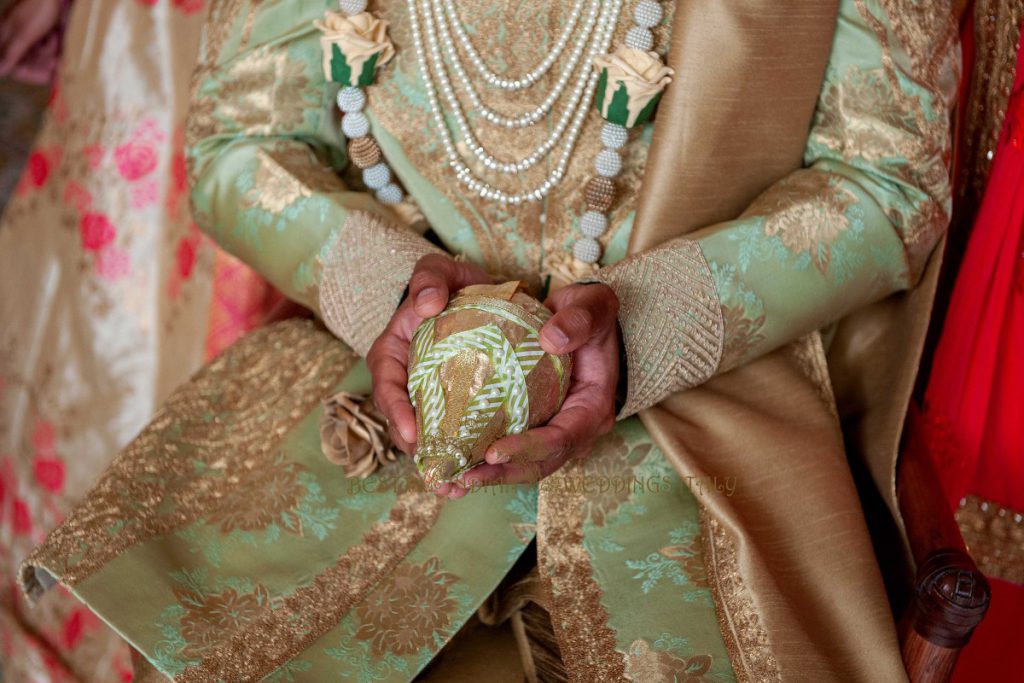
{"points": [[630, 84], [354, 435], [353, 47]]}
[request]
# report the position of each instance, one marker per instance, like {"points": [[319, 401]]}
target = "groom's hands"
{"points": [[585, 324], [433, 280]]}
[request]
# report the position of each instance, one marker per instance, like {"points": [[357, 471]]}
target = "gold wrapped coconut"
{"points": [[477, 373]]}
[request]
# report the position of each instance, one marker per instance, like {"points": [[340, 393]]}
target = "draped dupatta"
{"points": [[797, 588]]}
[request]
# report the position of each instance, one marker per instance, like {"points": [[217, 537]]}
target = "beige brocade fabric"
{"points": [[365, 274], [671, 321]]}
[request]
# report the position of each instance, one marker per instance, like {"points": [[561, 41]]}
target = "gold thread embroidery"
{"points": [[285, 173], [579, 619], [809, 354], [288, 626], [365, 273], [644, 664], [745, 638], [230, 418], [513, 241], [807, 211], [997, 25], [927, 37], [408, 609], [994, 535], [671, 320]]}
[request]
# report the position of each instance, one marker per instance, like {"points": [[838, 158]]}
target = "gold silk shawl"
{"points": [[790, 549]]}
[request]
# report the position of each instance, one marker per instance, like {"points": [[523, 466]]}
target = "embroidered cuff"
{"points": [[364, 276], [671, 321]]}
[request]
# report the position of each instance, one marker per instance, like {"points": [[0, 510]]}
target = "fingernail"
{"points": [[408, 434], [496, 457], [557, 336], [427, 295]]}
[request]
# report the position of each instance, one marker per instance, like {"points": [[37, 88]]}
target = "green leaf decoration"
{"points": [[369, 71], [341, 72], [648, 111], [602, 85], [618, 110]]}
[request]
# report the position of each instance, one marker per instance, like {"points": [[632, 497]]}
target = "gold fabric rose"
{"points": [[354, 435], [630, 85], [354, 46]]}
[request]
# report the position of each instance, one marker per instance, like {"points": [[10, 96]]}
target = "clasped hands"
{"points": [[584, 323]]}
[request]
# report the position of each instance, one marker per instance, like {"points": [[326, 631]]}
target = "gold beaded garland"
{"points": [[599, 193], [364, 152]]}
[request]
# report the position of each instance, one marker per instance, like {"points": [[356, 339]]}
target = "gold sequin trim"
{"points": [[994, 535], [671, 320], [579, 619], [228, 421], [997, 25], [364, 276], [290, 625], [745, 638]]}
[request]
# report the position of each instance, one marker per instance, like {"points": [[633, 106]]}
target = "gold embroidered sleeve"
{"points": [[855, 225], [366, 272], [266, 166], [671, 321]]}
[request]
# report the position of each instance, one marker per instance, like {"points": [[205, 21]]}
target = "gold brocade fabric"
{"points": [[521, 242], [788, 555]]}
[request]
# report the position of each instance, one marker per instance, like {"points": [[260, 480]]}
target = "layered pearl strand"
{"points": [[569, 125], [599, 192], [438, 35], [363, 150]]}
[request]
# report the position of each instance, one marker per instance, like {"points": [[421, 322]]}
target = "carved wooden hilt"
{"points": [[950, 600]]}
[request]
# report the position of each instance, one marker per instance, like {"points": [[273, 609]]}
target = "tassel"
{"points": [[354, 435]]}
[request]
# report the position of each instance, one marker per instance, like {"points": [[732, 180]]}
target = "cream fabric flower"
{"points": [[350, 43], [631, 82]]}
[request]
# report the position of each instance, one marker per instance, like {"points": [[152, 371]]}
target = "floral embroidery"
{"points": [[808, 212], [113, 263], [265, 91], [274, 484], [742, 313], [410, 610], [207, 613], [611, 467], [647, 665], [97, 231], [135, 159], [680, 562]]}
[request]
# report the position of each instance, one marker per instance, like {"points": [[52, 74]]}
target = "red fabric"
{"points": [[974, 404], [973, 413]]}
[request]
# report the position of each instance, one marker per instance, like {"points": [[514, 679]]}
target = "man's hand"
{"points": [[433, 280], [585, 323]]}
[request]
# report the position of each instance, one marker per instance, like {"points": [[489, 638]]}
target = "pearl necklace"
{"points": [[605, 25], [576, 102], [531, 77], [538, 112], [599, 191]]}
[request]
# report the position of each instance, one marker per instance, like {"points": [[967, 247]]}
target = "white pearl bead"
{"points": [[587, 250], [640, 38], [593, 224], [608, 163], [355, 125], [352, 6], [377, 176], [351, 100], [390, 194], [613, 135], [647, 13]]}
